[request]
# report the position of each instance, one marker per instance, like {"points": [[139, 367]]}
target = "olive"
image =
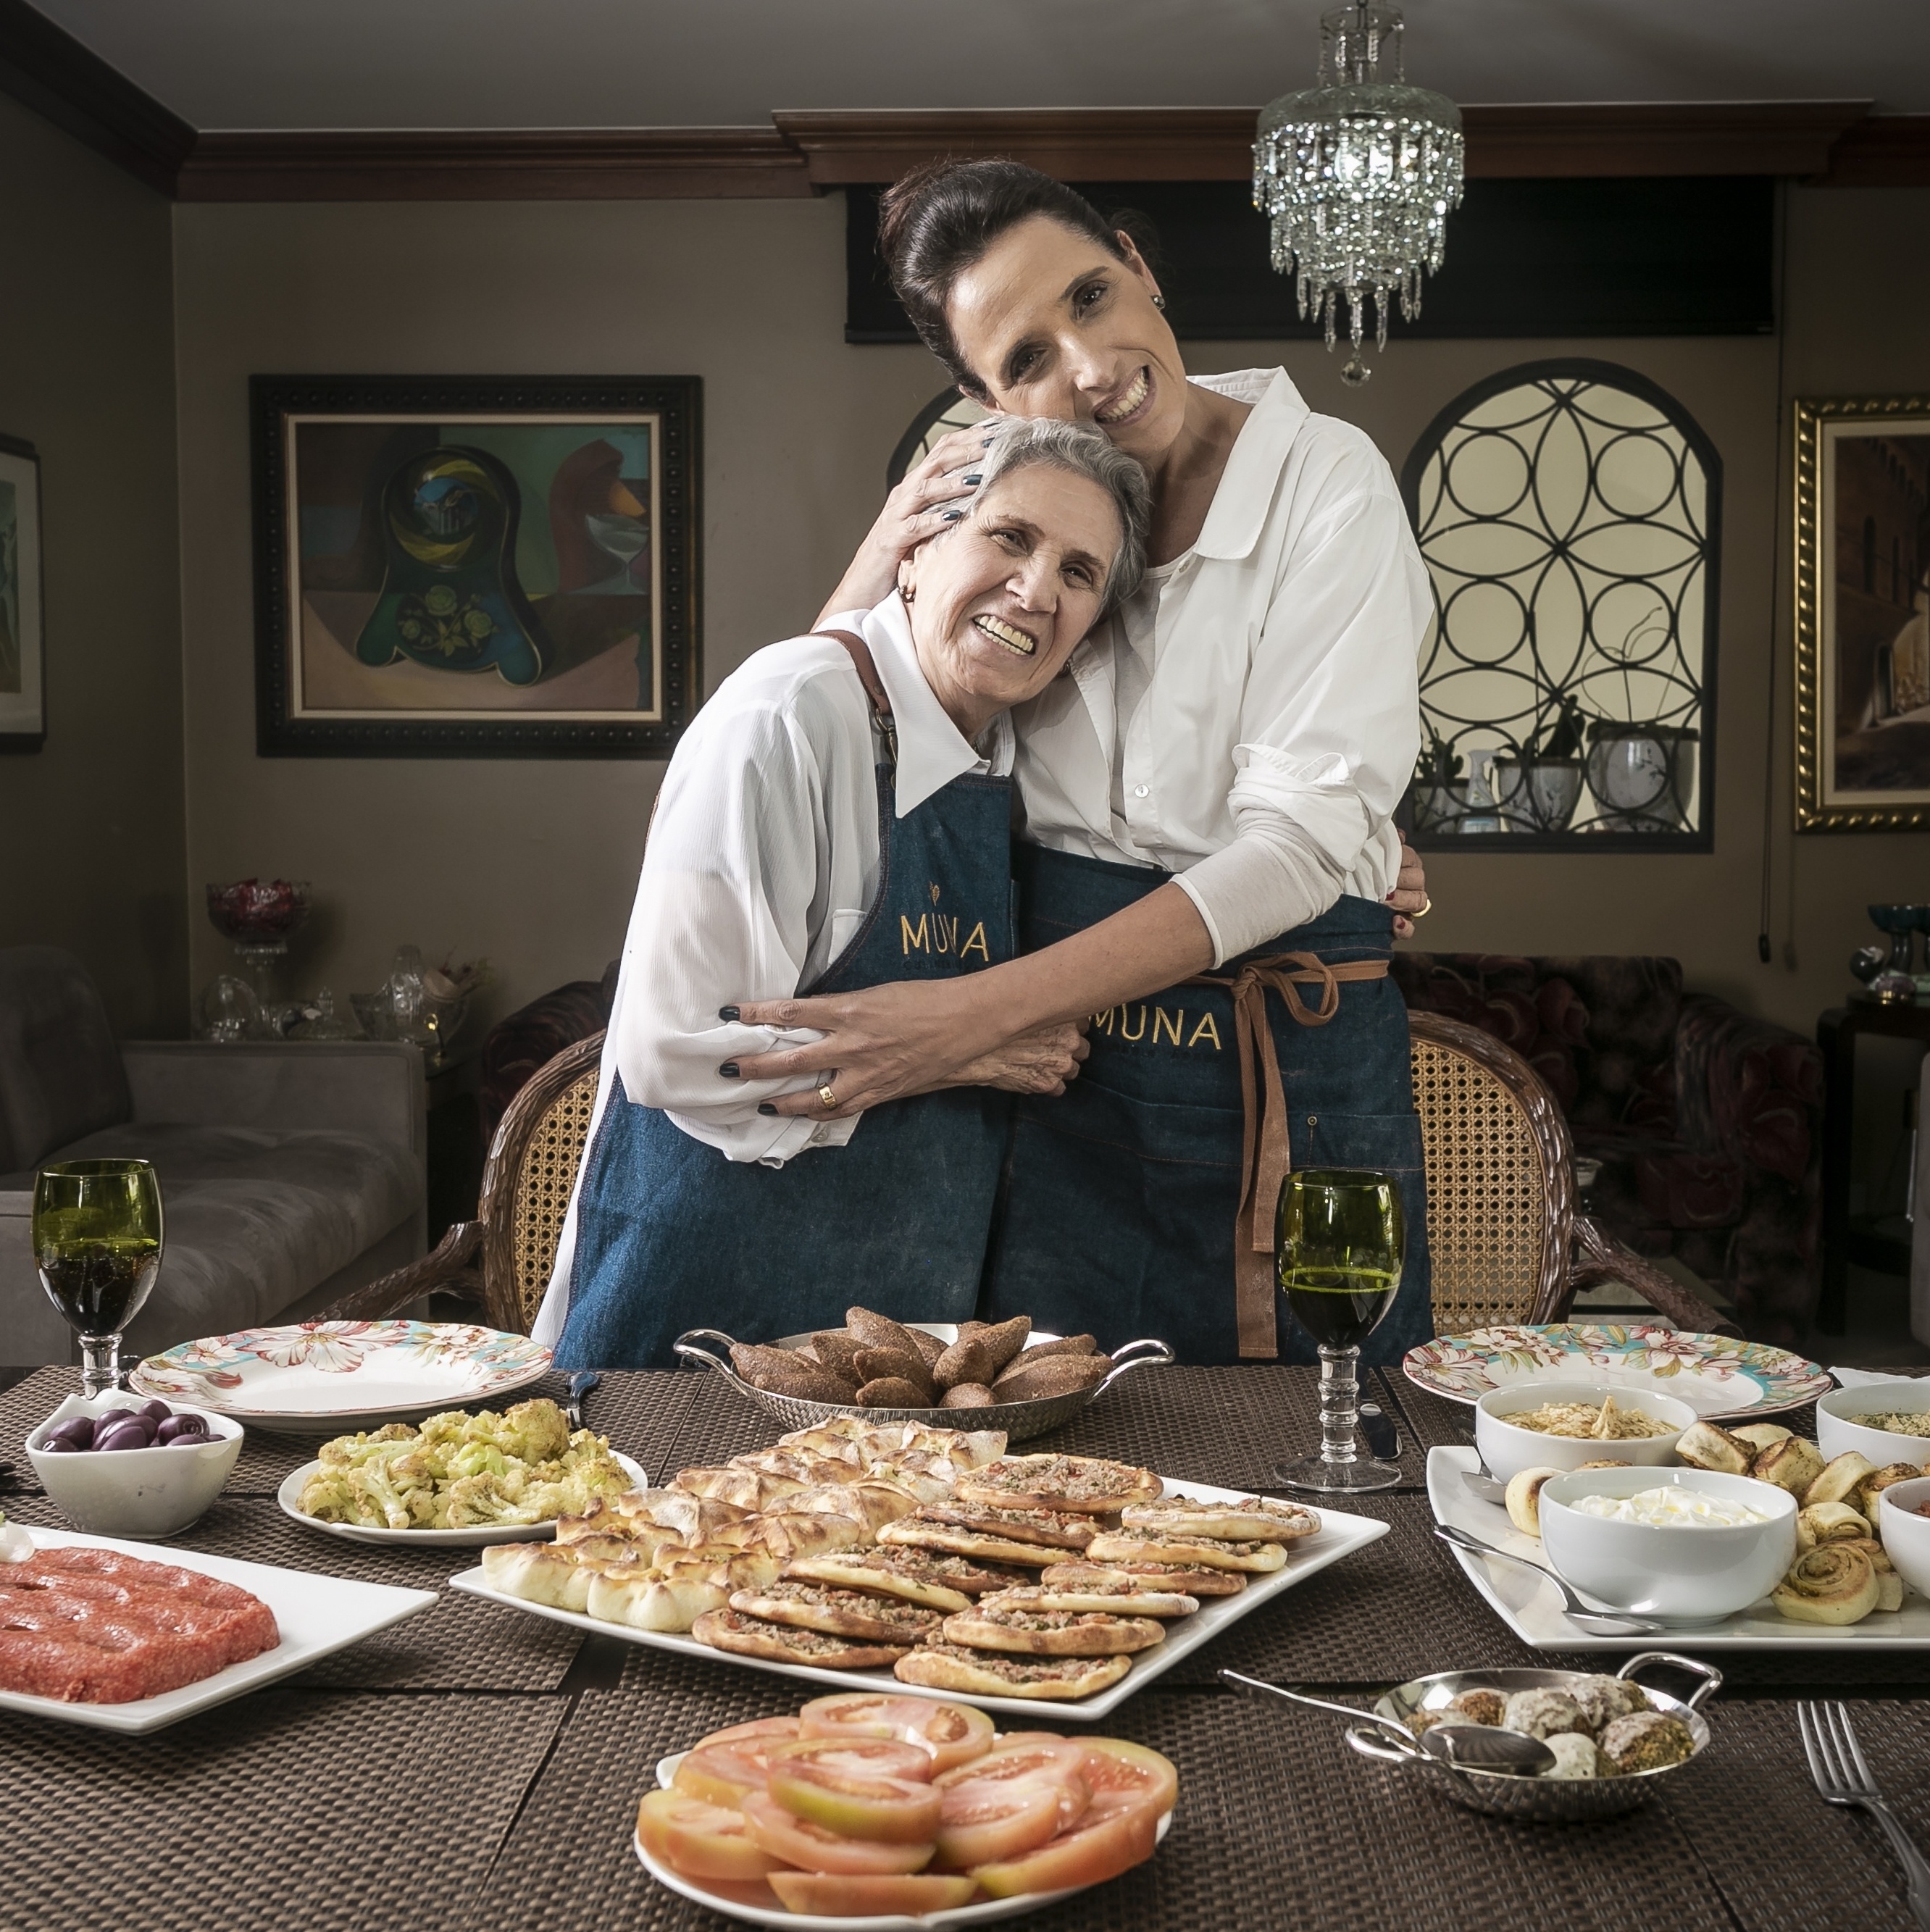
{"points": [[62, 1445], [76, 1432], [125, 1435], [158, 1411], [182, 1428]]}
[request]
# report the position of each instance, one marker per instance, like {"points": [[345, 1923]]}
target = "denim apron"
{"points": [[1120, 1200], [672, 1235]]}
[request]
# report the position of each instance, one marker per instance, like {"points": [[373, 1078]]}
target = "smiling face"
{"points": [[999, 601], [1052, 324]]}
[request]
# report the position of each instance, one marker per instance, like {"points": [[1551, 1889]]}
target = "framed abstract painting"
{"points": [[1862, 613], [475, 567], [22, 651]]}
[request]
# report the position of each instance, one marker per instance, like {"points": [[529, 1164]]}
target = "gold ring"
{"points": [[829, 1099], [1427, 907]]}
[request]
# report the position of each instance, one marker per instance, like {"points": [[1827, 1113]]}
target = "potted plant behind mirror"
{"points": [[1538, 789]]}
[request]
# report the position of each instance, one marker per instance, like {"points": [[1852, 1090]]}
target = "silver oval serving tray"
{"points": [[1020, 1420], [1383, 1735]]}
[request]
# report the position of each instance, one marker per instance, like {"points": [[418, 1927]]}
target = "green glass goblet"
{"points": [[97, 1237], [1338, 1242]]}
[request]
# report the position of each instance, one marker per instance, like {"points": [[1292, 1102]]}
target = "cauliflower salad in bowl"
{"points": [[482, 1477]]}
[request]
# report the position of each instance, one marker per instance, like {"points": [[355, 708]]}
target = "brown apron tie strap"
{"points": [[1265, 1154], [863, 663]]}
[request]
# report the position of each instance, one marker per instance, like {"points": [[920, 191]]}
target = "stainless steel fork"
{"points": [[1836, 1764]]}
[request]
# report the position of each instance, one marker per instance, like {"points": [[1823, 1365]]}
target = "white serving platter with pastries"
{"points": [[1340, 1534], [1532, 1608]]}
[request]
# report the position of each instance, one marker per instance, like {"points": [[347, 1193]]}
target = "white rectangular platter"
{"points": [[1341, 1534], [317, 1616], [1532, 1609]]}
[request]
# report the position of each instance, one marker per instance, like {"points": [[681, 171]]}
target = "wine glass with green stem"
{"points": [[1338, 1242], [96, 1236]]}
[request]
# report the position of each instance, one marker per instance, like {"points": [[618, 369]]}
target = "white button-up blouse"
{"points": [[1251, 719]]}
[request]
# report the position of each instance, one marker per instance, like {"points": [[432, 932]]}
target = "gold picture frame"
{"points": [[1862, 613]]}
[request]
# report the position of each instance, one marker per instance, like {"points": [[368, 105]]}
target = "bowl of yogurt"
{"points": [[1687, 1545]]}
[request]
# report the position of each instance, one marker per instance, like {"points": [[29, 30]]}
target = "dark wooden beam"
{"points": [[592, 164], [45, 68], [1887, 151]]}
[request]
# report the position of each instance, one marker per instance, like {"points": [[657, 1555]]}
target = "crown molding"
{"points": [[1886, 151], [64, 82], [587, 164]]}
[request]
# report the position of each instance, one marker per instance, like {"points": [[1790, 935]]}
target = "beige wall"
{"points": [[534, 863], [92, 853]]}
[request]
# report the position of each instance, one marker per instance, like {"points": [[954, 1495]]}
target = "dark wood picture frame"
{"points": [[23, 708], [288, 725]]}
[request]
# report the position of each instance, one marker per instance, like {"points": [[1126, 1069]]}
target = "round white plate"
{"points": [[1715, 1375], [741, 1901], [293, 1483], [330, 1378]]}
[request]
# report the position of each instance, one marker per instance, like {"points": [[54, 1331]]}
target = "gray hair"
{"points": [[1085, 452]]}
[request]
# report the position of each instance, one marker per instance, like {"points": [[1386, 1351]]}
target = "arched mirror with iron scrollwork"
{"points": [[1569, 514]]}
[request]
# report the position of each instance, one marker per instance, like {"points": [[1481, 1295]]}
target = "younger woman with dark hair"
{"points": [[1207, 853]]}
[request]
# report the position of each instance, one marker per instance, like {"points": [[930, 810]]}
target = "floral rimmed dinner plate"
{"points": [[757, 1904], [326, 1378], [1715, 1375]]}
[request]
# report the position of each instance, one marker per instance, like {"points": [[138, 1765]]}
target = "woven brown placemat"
{"points": [[283, 1810], [1277, 1824], [463, 1643], [641, 1414], [1782, 1857]]}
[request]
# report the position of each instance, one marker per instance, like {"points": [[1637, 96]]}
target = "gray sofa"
{"points": [[291, 1173]]}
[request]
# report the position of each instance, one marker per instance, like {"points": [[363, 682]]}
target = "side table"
{"points": [[1846, 1239]]}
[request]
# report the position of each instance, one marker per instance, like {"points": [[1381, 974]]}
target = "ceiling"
{"points": [[278, 64]]}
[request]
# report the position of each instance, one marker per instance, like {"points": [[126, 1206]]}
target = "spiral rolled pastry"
{"points": [[1834, 1583], [1828, 1522]]}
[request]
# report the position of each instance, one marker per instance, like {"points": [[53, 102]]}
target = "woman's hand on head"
{"points": [[915, 509], [1408, 898], [887, 1042]]}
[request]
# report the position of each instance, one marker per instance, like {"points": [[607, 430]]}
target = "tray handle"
{"points": [[1144, 1354], [689, 1344], [1712, 1677], [1383, 1748]]}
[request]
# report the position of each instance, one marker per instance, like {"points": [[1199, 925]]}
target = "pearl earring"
{"points": [[1159, 301]]}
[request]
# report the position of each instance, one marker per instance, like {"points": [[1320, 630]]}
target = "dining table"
{"points": [[478, 1769]]}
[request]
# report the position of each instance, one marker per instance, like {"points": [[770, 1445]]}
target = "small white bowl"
{"points": [[144, 1494], [1838, 1429], [1681, 1573], [1906, 1535], [1507, 1450]]}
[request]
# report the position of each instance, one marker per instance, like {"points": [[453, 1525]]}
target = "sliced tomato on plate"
{"points": [[856, 1757], [813, 1848], [1095, 1850], [1038, 1759], [951, 1734], [842, 1895], [994, 1819], [722, 1768], [894, 1810], [699, 1839], [1119, 1774]]}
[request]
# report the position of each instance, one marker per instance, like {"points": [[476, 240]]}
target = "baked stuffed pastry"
{"points": [[781, 1643], [949, 1666]]}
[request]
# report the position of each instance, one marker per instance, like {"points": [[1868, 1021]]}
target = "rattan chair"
{"points": [[504, 1256], [1507, 1244], [1505, 1241]]}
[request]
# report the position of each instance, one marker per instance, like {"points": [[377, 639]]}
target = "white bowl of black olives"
{"points": [[115, 1466]]}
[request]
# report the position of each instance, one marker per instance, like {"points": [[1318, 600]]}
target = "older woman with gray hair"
{"points": [[837, 817]]}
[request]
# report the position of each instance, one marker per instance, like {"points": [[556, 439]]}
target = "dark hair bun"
{"points": [[936, 222]]}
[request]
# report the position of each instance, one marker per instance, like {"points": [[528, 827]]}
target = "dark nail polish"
{"points": [[975, 479], [729, 1070], [951, 516], [727, 1013], [765, 1107]]}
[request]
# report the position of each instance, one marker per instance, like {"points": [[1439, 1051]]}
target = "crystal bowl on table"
{"points": [[258, 912]]}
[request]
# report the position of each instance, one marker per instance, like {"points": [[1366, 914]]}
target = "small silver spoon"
{"points": [[1487, 1748], [1602, 1623], [1481, 1482]]}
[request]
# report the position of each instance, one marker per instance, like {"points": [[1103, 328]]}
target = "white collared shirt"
{"points": [[1250, 720], [762, 862]]}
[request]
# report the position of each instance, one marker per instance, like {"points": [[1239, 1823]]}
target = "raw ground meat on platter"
{"points": [[93, 1626]]}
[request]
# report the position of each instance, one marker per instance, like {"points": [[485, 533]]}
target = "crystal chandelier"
{"points": [[1357, 175]]}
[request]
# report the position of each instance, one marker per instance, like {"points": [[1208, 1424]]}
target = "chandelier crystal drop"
{"points": [[1357, 175]]}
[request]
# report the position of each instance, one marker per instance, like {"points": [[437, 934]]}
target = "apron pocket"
{"points": [[1390, 1142], [1173, 1131]]}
